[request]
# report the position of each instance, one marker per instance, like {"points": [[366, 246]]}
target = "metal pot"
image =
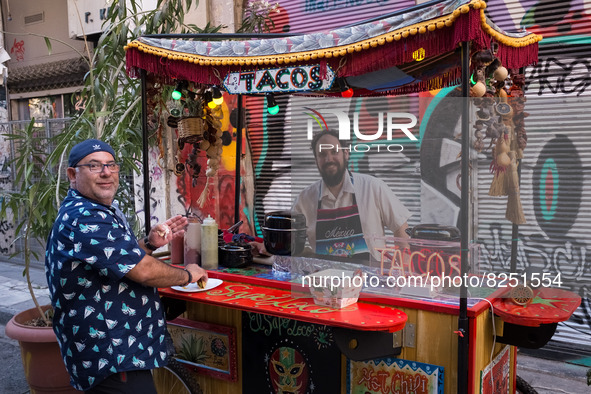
{"points": [[435, 232], [284, 233], [235, 255]]}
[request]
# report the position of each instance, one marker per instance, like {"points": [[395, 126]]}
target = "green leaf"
{"points": [[48, 44]]}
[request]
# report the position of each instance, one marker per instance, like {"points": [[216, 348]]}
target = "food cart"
{"points": [[259, 330]]}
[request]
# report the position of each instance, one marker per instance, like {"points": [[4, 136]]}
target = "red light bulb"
{"points": [[347, 93]]}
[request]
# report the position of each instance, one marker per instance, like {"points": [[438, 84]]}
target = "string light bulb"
{"points": [[346, 91], [218, 98], [272, 106], [208, 98], [177, 93]]}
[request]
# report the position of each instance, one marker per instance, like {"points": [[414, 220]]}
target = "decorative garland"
{"points": [[500, 117], [200, 126]]}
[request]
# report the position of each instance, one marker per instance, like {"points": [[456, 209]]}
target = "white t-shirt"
{"points": [[378, 207]]}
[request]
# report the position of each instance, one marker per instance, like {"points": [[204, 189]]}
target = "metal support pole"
{"points": [[463, 322], [145, 164], [239, 127], [515, 227]]}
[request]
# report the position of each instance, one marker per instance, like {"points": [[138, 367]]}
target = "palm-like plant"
{"points": [[111, 112]]}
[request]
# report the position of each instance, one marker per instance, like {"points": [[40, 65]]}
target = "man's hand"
{"points": [[199, 274], [163, 233], [258, 249]]}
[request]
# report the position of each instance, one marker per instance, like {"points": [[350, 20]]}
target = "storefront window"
{"points": [[73, 104]]}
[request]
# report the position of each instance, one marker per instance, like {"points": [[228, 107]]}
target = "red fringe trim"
{"points": [[466, 28], [518, 57]]}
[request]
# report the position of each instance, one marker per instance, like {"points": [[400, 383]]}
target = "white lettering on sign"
{"points": [[286, 79], [408, 122], [338, 232]]}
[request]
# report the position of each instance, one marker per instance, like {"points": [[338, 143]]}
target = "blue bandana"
{"points": [[85, 148]]}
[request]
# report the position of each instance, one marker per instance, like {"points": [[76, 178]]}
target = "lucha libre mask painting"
{"points": [[288, 371]]}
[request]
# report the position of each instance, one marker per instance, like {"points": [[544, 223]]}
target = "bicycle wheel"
{"points": [[523, 387], [175, 379]]}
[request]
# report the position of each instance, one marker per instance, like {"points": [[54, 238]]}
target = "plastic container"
{"points": [[209, 244], [335, 288], [193, 242]]}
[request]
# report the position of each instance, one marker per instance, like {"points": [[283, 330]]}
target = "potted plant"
{"points": [[32, 199], [111, 112]]}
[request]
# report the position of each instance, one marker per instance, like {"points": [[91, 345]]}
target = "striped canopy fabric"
{"points": [[433, 30]]}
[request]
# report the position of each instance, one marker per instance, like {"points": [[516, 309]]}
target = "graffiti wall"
{"points": [[297, 16], [6, 225], [554, 169]]}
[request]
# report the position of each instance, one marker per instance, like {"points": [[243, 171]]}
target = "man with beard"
{"points": [[346, 212]]}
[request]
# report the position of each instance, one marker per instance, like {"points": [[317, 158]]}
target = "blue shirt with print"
{"points": [[104, 322]]}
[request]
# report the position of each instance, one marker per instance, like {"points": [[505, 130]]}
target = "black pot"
{"points": [[284, 233], [235, 255], [285, 220], [436, 232]]}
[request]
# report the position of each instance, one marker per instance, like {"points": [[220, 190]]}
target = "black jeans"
{"points": [[130, 382]]}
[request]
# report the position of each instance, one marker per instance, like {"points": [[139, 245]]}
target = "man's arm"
{"points": [[153, 272], [401, 231]]}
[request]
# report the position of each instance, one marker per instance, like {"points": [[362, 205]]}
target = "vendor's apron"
{"points": [[339, 232]]}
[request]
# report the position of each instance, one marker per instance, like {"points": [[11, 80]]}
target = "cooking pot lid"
{"points": [[435, 232], [284, 220]]}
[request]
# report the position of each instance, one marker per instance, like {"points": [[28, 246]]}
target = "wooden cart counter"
{"points": [[282, 302]]}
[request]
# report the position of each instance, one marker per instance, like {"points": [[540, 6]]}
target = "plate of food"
{"points": [[197, 286]]}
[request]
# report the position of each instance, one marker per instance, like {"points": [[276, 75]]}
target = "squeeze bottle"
{"points": [[193, 242], [209, 243]]}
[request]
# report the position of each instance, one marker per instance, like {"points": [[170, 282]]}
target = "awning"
{"points": [[46, 76], [350, 51]]}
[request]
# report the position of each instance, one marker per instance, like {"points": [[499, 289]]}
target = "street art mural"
{"points": [[297, 16], [18, 50], [6, 224], [553, 239], [187, 186]]}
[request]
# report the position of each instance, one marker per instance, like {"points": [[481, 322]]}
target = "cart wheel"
{"points": [[523, 387], [175, 379]]}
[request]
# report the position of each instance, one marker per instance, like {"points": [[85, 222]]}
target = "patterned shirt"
{"points": [[104, 322]]}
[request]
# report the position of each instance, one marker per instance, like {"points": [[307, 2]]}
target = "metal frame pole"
{"points": [[463, 322], [515, 227], [239, 127]]}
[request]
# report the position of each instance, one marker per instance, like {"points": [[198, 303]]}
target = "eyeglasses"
{"points": [[99, 167]]}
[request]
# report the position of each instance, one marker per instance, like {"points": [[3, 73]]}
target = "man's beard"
{"points": [[337, 177]]}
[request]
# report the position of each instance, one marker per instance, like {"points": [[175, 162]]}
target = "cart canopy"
{"points": [[407, 51]]}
